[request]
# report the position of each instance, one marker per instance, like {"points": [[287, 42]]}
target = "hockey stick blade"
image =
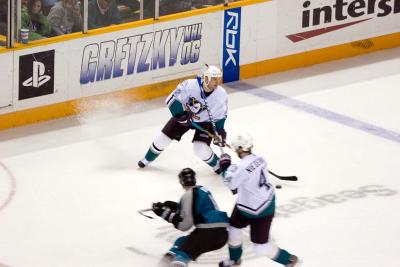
{"points": [[141, 212], [284, 178]]}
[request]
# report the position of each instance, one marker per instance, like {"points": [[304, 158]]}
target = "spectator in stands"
{"points": [[170, 7], [102, 13], [47, 5], [214, 2], [148, 8], [24, 3], [32, 18], [132, 4], [65, 17], [205, 3]]}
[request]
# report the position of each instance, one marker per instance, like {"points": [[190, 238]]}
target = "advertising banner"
{"points": [[40, 76], [36, 75], [145, 55], [258, 34], [96, 64], [6, 79], [231, 45], [312, 24]]}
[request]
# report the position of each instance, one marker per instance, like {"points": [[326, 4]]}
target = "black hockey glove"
{"points": [[171, 204], [185, 119], [224, 161], [166, 213], [220, 138], [158, 208]]}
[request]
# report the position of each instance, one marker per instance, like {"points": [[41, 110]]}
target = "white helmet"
{"points": [[243, 141], [211, 72]]}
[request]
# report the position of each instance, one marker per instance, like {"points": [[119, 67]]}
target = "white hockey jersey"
{"points": [[189, 94], [250, 178]]}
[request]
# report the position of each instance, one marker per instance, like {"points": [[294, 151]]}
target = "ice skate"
{"points": [[293, 261], [229, 263], [143, 163], [166, 260]]}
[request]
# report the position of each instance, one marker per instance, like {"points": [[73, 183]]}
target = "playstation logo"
{"points": [[36, 75], [38, 78]]}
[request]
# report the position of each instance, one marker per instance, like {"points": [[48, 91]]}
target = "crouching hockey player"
{"points": [[255, 205], [205, 103], [196, 208]]}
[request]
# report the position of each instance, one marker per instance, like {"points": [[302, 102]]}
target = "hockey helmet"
{"points": [[243, 141], [187, 177], [211, 72]]}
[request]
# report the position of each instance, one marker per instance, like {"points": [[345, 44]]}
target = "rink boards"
{"points": [[142, 60]]}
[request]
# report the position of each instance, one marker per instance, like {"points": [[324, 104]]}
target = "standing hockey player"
{"points": [[196, 208], [203, 102], [255, 205]]}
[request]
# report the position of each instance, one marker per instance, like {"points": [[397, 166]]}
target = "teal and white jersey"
{"points": [[198, 208], [250, 178], [188, 96]]}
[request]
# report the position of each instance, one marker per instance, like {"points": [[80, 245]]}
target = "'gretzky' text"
{"points": [[141, 53]]}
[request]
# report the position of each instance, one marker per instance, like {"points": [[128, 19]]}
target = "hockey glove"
{"points": [[171, 204], [166, 213], [224, 161], [220, 138], [184, 120], [158, 208]]}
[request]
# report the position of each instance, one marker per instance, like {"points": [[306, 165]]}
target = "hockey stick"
{"points": [[203, 95], [198, 127], [141, 212], [284, 178]]}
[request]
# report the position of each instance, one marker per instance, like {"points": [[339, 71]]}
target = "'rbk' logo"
{"points": [[36, 75], [231, 45], [230, 38], [38, 78], [341, 10]]}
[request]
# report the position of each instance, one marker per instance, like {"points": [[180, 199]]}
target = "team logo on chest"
{"points": [[194, 106]]}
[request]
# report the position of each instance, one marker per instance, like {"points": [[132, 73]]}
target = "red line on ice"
{"points": [[12, 191]]}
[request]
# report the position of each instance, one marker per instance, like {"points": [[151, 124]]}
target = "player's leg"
{"points": [[172, 130], [276, 254], [155, 149], [202, 149], [198, 242], [259, 235], [237, 222], [170, 255]]}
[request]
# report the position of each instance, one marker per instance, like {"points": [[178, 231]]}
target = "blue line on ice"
{"points": [[316, 111]]}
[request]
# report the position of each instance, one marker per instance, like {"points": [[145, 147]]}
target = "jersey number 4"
{"points": [[263, 181]]}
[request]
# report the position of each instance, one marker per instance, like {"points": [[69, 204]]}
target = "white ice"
{"points": [[77, 186]]}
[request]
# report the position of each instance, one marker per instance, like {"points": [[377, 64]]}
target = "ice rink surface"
{"points": [[70, 188]]}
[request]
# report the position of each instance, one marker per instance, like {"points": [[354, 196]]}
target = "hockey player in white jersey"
{"points": [[255, 205], [200, 101]]}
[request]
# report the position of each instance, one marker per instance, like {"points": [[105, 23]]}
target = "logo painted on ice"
{"points": [[141, 53], [231, 45], [341, 10], [38, 78]]}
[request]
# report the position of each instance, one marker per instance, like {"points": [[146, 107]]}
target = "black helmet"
{"points": [[187, 177]]}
